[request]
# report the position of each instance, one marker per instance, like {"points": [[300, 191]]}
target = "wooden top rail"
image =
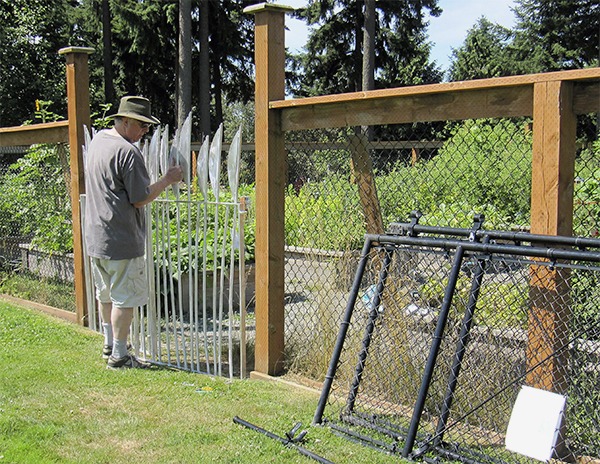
{"points": [[49, 132], [477, 84], [484, 98]]}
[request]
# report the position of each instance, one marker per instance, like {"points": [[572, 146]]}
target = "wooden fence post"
{"points": [[78, 101], [271, 167], [552, 178], [362, 171]]}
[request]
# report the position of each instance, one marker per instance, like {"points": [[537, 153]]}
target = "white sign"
{"points": [[535, 423]]}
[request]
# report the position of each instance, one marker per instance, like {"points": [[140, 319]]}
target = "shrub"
{"points": [[323, 215], [191, 233], [587, 192], [484, 167], [34, 199]]}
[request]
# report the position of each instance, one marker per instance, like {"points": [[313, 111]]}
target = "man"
{"points": [[117, 189]]}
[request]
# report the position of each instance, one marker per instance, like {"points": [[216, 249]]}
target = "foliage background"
{"points": [[143, 53]]}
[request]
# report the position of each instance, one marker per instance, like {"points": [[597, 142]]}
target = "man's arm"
{"points": [[173, 175]]}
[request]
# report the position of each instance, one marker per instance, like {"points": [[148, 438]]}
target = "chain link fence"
{"points": [[36, 260], [342, 185], [439, 340]]}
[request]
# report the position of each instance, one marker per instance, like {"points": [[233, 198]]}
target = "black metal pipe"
{"points": [[284, 441], [461, 347], [456, 456], [516, 380], [353, 419], [339, 344], [518, 237], [377, 444], [518, 250], [433, 352], [366, 342]]}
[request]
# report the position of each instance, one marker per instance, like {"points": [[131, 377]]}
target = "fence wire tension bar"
{"points": [[290, 439], [479, 246]]}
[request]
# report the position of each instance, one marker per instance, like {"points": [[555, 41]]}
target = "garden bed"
{"points": [[48, 265]]}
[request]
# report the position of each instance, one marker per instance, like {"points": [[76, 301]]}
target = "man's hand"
{"points": [[174, 175]]}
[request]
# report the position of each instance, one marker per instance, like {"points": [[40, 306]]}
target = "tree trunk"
{"points": [[368, 67], [204, 71], [109, 88], [184, 71], [358, 42], [218, 91], [368, 62], [218, 88]]}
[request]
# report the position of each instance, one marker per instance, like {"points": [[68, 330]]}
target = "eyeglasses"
{"points": [[142, 125]]}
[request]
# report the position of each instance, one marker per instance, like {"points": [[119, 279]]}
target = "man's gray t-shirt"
{"points": [[116, 178]]}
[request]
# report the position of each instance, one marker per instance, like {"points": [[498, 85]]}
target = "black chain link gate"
{"points": [[444, 326]]}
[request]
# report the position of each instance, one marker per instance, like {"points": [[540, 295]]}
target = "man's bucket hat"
{"points": [[135, 108]]}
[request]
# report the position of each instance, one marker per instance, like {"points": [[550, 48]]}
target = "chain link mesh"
{"points": [[36, 240], [342, 185], [449, 171], [505, 345]]}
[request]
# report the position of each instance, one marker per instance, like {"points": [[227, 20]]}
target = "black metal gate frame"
{"points": [[480, 244]]}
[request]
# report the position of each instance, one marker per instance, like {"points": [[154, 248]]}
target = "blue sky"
{"points": [[446, 31]]}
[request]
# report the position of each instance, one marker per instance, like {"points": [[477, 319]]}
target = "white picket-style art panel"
{"points": [[196, 317]]}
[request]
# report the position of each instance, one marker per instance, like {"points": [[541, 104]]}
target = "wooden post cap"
{"points": [[253, 9], [66, 50]]}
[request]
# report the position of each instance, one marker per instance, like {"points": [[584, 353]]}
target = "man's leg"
{"points": [[105, 314], [121, 321]]}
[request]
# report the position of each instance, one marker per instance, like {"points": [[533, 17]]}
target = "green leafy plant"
{"points": [[587, 192], [484, 167], [324, 216], [43, 114], [184, 225], [35, 200], [99, 119]]}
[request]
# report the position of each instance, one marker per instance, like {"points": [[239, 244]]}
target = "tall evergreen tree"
{"points": [[204, 69], [483, 53], [184, 68], [224, 47], [333, 59], [31, 33], [136, 52], [551, 35], [109, 85], [145, 52]]}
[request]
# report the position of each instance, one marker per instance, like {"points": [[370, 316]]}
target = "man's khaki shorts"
{"points": [[122, 281]]}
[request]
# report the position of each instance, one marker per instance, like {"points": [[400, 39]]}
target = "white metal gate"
{"points": [[199, 284]]}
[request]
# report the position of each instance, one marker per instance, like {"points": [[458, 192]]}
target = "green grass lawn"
{"points": [[59, 403]]}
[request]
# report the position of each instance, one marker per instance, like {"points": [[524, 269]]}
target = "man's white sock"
{"points": [[119, 349], [108, 333]]}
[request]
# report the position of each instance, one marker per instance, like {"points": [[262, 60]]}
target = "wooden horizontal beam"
{"points": [[488, 103], [476, 84], [373, 145], [50, 132], [483, 98], [586, 97]]}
